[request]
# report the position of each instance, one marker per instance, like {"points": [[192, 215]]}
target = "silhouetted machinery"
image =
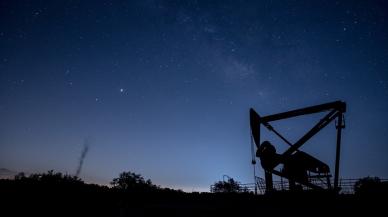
{"points": [[297, 166]]}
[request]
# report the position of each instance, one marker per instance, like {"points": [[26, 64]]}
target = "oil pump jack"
{"points": [[297, 166]]}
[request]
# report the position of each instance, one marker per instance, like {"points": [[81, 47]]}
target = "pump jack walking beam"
{"points": [[336, 110]]}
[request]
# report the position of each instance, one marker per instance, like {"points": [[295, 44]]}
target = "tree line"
{"points": [[133, 182]]}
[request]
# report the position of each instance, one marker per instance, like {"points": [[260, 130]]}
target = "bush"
{"points": [[50, 177], [370, 185], [229, 186], [129, 181]]}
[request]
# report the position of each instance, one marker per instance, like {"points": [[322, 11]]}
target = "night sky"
{"points": [[163, 88]]}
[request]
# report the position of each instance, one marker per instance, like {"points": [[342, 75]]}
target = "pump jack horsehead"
{"points": [[297, 166]]}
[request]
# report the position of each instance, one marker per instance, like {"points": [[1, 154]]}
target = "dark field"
{"points": [[37, 199]]}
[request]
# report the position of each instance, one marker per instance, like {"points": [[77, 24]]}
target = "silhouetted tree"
{"points": [[129, 181], [370, 185], [228, 186], [20, 176]]}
